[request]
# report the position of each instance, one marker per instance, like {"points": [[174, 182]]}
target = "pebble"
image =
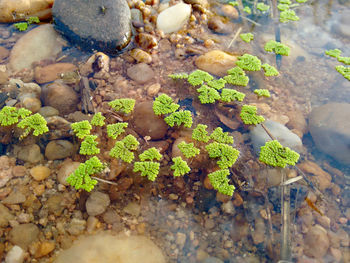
{"points": [[229, 11], [180, 239], [219, 25], [32, 104], [153, 126], [24, 53], [23, 235], [3, 77], [60, 96], [173, 18], [59, 149], [209, 223], [146, 41], [141, 73], [91, 224], [316, 242], [216, 62], [52, 72], [40, 172], [5, 216], [48, 111], [55, 204], [153, 90], [6, 170], [97, 203], [15, 197], [15, 255], [76, 226], [66, 169], [132, 208], [323, 178], [44, 249], [141, 56], [228, 208]]}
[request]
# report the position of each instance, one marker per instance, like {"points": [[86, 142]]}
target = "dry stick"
{"points": [[235, 37], [103, 180]]}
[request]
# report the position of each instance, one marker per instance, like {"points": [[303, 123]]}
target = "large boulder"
{"points": [[329, 126], [103, 25]]}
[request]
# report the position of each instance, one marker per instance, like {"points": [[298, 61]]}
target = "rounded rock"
{"points": [[40, 172], [52, 72], [97, 203], [67, 168], [316, 242], [173, 18], [32, 104], [30, 153], [104, 25], [23, 235], [58, 149], [141, 73]]}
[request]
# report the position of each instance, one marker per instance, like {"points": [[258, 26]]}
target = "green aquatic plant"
{"points": [[131, 142], [262, 7], [226, 154], [198, 77], [282, 7], [249, 116], [122, 105], [228, 95], [81, 128], [270, 70], [164, 104], [150, 154], [233, 3], [33, 20], [22, 26], [207, 94], [178, 118], [344, 60], [333, 52], [277, 47], [178, 76], [220, 136], [188, 149], [98, 119], [180, 167], [200, 134], [247, 9], [35, 123], [11, 115], [220, 182], [274, 154], [217, 84], [149, 169], [89, 145], [114, 130], [81, 177], [236, 76], [288, 15], [301, 1], [287, 2], [345, 71], [249, 62], [262, 93], [247, 37], [123, 149]]}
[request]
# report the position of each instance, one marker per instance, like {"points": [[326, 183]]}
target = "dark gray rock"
{"points": [[329, 126], [104, 25]]}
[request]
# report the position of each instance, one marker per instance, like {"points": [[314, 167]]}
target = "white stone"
{"points": [[173, 18], [15, 255], [40, 43]]}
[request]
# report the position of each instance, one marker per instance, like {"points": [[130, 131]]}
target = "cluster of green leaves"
{"points": [[98, 119], [286, 13], [89, 145], [247, 37], [220, 182], [122, 105], [270, 70], [249, 62], [345, 71], [180, 167], [164, 104], [247, 9], [123, 149], [200, 133], [236, 76], [81, 177], [30, 123], [147, 166], [81, 128], [188, 149], [274, 154], [115, 129], [249, 115], [23, 26], [262, 7], [262, 93], [277, 47]]}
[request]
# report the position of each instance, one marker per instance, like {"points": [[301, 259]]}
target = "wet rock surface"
{"points": [[100, 25]]}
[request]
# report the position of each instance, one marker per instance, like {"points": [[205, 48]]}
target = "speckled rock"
{"points": [[174, 18], [103, 25], [6, 165], [141, 73], [24, 53], [146, 123], [216, 62], [23, 235], [51, 72], [105, 248], [329, 126], [97, 203], [61, 97], [58, 149], [76, 226]]}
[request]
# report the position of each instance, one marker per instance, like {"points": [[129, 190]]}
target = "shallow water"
{"points": [[189, 222]]}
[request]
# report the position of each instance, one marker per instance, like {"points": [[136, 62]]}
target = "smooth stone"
{"points": [[6, 171], [15, 197], [5, 216], [59, 128], [141, 56], [97, 203], [44, 249], [55, 205], [287, 138], [108, 248], [29, 153], [40, 172], [52, 72], [216, 62], [23, 235], [219, 25], [3, 77], [26, 90], [32, 104], [4, 53], [329, 126], [59, 149], [173, 18], [103, 25], [28, 8], [48, 111], [316, 242], [60, 96], [67, 168], [76, 226], [15, 255], [146, 41], [141, 73], [146, 123], [229, 11], [29, 48], [132, 208]]}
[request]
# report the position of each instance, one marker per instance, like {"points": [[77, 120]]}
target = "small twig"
{"points": [[104, 181], [251, 21], [235, 37]]}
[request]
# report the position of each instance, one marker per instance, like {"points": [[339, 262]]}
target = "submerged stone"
{"points": [[104, 25]]}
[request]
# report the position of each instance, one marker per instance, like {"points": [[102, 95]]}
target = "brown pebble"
{"points": [[19, 171], [40, 173], [141, 56], [44, 248], [4, 53], [146, 41]]}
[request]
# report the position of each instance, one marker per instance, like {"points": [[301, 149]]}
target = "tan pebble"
{"points": [[141, 228], [153, 89], [336, 253], [32, 104], [207, 184], [201, 255], [141, 56], [263, 213], [222, 198], [343, 220], [40, 172], [146, 41], [3, 77], [209, 43], [173, 196], [19, 171], [39, 189], [44, 248], [230, 11], [324, 221]]}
